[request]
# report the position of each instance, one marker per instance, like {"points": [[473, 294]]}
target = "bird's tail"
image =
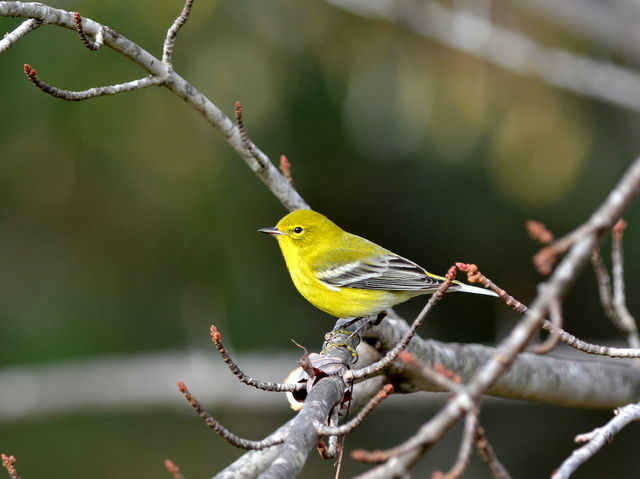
{"points": [[465, 288]]}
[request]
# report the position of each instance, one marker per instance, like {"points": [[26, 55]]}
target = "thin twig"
{"points": [[9, 462], [360, 417], [555, 313], [223, 432], [597, 439], [170, 40], [86, 41], [70, 95], [604, 287], [244, 136], [12, 37], [173, 469], [464, 453], [474, 276], [393, 354], [628, 322], [216, 338], [488, 455]]}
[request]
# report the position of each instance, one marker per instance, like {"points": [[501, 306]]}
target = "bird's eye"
{"points": [[297, 229]]}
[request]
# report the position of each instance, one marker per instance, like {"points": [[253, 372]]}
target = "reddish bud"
{"points": [[538, 231], [620, 226], [215, 334]]}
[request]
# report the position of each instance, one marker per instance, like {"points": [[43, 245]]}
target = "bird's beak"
{"points": [[271, 230]]}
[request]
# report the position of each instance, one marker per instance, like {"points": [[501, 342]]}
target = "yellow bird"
{"points": [[348, 276]]}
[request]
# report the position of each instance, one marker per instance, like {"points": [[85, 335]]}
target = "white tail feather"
{"points": [[465, 288]]}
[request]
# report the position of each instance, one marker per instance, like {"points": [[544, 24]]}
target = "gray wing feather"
{"points": [[386, 271]]}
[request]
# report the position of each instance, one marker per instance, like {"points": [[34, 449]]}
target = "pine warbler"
{"points": [[345, 275]]}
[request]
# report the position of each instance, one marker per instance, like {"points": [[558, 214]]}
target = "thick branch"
{"points": [[581, 383]]}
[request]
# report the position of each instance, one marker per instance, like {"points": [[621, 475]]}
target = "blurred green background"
{"points": [[128, 225]]}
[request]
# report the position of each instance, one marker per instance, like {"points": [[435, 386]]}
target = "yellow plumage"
{"points": [[346, 275]]}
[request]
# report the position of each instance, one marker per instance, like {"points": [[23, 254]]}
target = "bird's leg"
{"points": [[346, 323], [381, 315]]}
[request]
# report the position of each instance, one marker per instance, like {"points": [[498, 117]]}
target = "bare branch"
{"points": [[475, 276], [488, 455], [614, 28], [234, 440], [256, 160], [91, 92], [302, 435], [12, 38], [468, 438], [170, 40], [565, 274], [596, 440], [464, 31], [216, 338], [627, 321]]}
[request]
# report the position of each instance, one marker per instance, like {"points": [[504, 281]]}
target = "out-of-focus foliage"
{"points": [[127, 224]]}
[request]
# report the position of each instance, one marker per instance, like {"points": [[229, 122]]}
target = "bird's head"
{"points": [[303, 228]]}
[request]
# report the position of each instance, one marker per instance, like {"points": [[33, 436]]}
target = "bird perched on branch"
{"points": [[348, 276]]}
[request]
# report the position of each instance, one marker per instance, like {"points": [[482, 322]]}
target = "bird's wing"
{"points": [[385, 271]]}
